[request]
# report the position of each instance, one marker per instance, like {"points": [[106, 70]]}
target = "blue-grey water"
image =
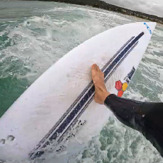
{"points": [[34, 35]]}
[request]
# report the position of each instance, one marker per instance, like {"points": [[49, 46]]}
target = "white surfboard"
{"points": [[57, 111]]}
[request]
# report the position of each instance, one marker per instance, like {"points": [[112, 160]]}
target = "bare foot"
{"points": [[98, 79]]}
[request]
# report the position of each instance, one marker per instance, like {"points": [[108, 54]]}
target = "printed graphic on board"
{"points": [[121, 86]]}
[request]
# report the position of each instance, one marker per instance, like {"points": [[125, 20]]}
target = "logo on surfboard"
{"points": [[148, 28], [122, 86]]}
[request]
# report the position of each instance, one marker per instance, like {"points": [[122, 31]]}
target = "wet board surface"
{"points": [[57, 111]]}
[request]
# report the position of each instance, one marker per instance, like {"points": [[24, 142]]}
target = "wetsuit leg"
{"points": [[144, 117]]}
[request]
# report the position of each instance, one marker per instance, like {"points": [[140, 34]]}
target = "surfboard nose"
{"points": [[150, 26]]}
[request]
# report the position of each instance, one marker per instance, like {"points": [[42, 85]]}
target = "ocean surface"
{"points": [[34, 35]]}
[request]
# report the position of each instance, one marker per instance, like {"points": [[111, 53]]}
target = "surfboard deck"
{"points": [[57, 111]]}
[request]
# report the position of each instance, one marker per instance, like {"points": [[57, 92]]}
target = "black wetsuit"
{"points": [[144, 117]]}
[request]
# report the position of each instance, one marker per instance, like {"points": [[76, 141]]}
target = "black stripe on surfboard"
{"points": [[59, 139], [80, 104], [90, 94], [41, 143], [83, 92], [79, 98]]}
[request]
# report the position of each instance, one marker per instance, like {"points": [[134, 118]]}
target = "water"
{"points": [[34, 35]]}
